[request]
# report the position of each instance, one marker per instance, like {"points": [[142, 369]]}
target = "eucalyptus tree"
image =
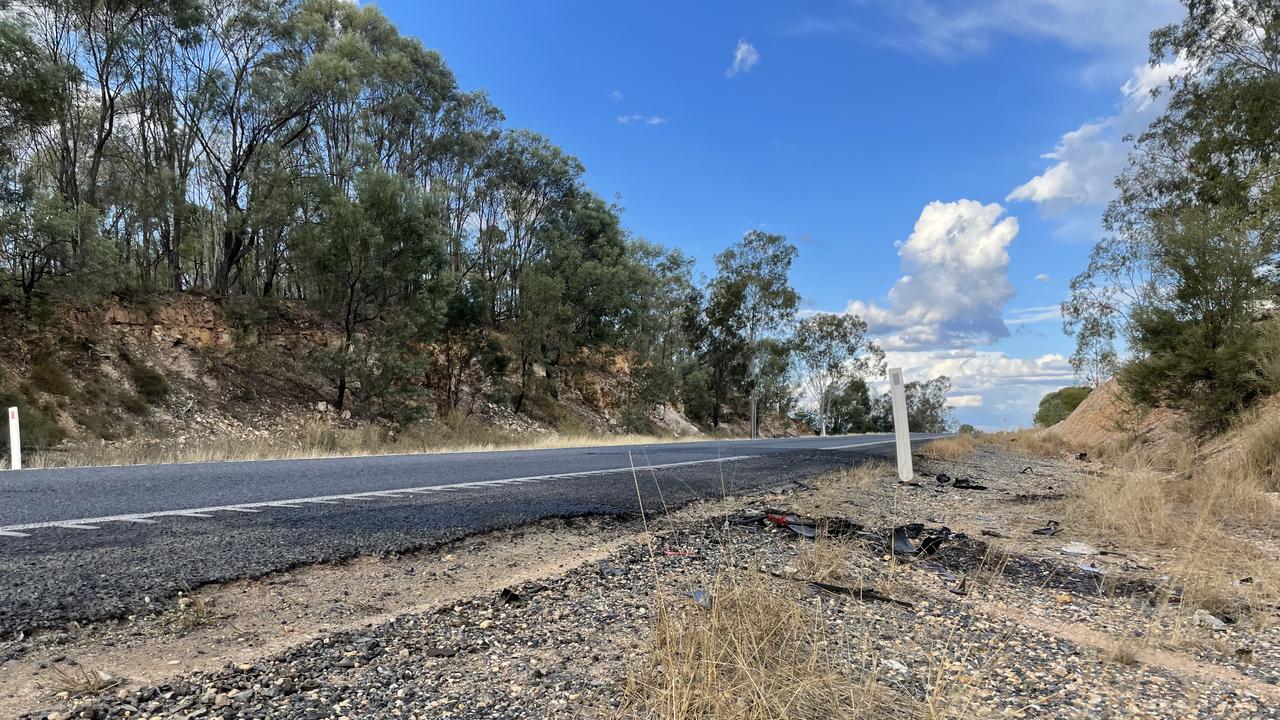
{"points": [[833, 349]]}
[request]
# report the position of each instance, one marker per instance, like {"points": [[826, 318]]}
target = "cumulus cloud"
{"points": [[1044, 277], [1087, 160], [964, 401], [745, 57], [974, 371], [641, 120], [1010, 387], [956, 281]]}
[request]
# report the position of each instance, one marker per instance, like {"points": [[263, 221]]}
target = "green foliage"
{"points": [[967, 429], [833, 350], [151, 385], [48, 376], [40, 429], [1057, 405]]}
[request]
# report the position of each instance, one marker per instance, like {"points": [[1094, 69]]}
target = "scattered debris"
{"points": [[967, 484], [511, 597], [994, 533], [1083, 457], [438, 652], [1050, 530], [700, 597], [1079, 548], [608, 571], [861, 594], [1091, 569], [943, 478], [894, 665], [1206, 619]]}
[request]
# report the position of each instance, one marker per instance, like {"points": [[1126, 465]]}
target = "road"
{"points": [[90, 543]]}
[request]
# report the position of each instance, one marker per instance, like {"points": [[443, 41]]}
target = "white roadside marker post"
{"points": [[15, 441], [902, 434]]}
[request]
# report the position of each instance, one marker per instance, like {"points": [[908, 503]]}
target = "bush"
{"points": [[40, 429], [48, 376], [1057, 405], [152, 386], [134, 404]]}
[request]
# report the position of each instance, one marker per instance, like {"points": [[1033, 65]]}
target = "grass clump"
{"points": [[758, 653], [48, 376], [952, 448], [151, 385]]}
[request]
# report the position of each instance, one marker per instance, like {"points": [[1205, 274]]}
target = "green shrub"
{"points": [[152, 386], [48, 375], [134, 404], [40, 429], [1057, 405]]}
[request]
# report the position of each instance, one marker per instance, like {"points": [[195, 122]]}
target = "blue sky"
{"points": [[942, 166]]}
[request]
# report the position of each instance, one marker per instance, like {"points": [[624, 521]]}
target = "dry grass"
{"points": [[757, 654], [1043, 443], [1123, 651], [321, 440], [80, 681], [952, 448], [822, 560], [1262, 450], [1202, 517]]}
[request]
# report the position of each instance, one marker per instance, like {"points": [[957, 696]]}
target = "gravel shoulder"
{"points": [[1000, 622]]}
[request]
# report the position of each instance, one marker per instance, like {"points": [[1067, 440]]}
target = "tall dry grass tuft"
{"points": [[1043, 443], [1262, 450], [1202, 516], [952, 448], [757, 654]]}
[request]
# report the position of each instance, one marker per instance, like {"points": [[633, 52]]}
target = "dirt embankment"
{"points": [[1108, 418], [181, 371]]}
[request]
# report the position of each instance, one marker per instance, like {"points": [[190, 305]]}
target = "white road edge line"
{"points": [[83, 523], [881, 442]]}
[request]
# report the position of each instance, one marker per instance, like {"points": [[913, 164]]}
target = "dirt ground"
{"points": [[998, 622]]}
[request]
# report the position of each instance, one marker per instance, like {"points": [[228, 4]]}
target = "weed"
{"points": [[152, 386], [48, 376], [952, 448], [80, 681]]}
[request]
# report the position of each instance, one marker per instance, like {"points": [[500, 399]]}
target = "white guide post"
{"points": [[898, 392], [15, 441]]}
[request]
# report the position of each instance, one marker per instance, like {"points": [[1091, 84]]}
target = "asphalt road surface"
{"points": [[92, 543]]}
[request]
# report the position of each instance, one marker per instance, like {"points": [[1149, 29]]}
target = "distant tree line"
{"points": [[305, 150]]}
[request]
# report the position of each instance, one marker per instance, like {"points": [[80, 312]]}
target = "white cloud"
{"points": [[1010, 387], [1105, 26], [975, 371], [1087, 160], [745, 57], [956, 281], [1030, 315], [1044, 277], [641, 120], [616, 95], [964, 401]]}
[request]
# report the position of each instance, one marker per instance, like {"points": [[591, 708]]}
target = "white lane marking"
{"points": [[10, 533], [854, 445], [141, 521], [82, 523], [880, 442], [193, 514]]}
